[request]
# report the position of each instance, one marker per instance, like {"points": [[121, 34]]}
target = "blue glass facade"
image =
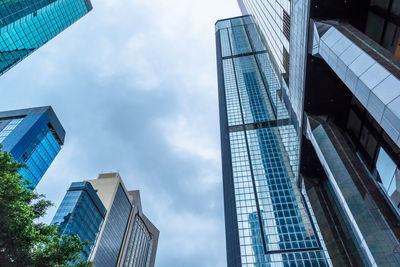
{"points": [[39, 156], [81, 213], [111, 241], [284, 25], [33, 137], [273, 19], [25, 25], [268, 221]]}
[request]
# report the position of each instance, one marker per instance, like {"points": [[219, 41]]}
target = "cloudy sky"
{"points": [[134, 84]]}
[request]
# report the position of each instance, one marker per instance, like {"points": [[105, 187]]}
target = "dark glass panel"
{"points": [[374, 27]]}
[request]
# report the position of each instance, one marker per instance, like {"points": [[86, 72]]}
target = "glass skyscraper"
{"points": [[81, 213], [273, 17], [25, 25], [103, 212], [268, 219], [339, 72], [34, 137]]}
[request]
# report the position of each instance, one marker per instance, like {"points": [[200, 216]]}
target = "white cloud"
{"points": [[186, 137]]}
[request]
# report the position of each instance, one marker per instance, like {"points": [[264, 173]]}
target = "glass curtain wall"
{"points": [[25, 25], [274, 225], [383, 24], [9, 128], [79, 215], [39, 156], [273, 18]]}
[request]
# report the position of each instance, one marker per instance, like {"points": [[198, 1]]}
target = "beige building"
{"points": [[127, 237]]}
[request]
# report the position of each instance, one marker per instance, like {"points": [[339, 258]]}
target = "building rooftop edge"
{"points": [[87, 187], [150, 225], [23, 111], [241, 16], [48, 110], [106, 175], [89, 5]]}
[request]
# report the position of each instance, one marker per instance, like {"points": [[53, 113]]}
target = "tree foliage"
{"points": [[23, 241]]}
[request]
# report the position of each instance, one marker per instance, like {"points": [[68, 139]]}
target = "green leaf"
{"points": [[22, 241]]}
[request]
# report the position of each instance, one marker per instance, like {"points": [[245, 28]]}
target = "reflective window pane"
{"points": [[386, 168]]}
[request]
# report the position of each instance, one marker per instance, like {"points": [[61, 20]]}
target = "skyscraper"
{"points": [[141, 238], [103, 212], [268, 219], [115, 199], [341, 89], [81, 213], [34, 137], [28, 24], [273, 20]]}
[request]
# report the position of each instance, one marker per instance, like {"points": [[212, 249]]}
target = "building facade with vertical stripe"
{"points": [[340, 87], [268, 219]]}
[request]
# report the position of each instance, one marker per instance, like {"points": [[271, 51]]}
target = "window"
{"points": [[374, 27], [395, 9], [389, 36], [285, 60], [382, 24], [353, 125], [9, 128], [389, 175], [384, 4], [286, 25]]}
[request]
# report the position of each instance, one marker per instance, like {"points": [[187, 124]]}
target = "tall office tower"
{"points": [[273, 19], [34, 137], [343, 92], [26, 25], [81, 213], [267, 217], [115, 199], [141, 238], [103, 212]]}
